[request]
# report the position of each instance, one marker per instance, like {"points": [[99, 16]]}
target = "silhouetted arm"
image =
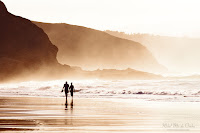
{"points": [[63, 88]]}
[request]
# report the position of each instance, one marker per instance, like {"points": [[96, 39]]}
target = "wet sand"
{"points": [[39, 114]]}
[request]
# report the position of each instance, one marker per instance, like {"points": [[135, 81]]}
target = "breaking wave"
{"points": [[156, 90]]}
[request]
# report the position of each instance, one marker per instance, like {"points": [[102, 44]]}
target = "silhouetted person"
{"points": [[71, 88], [66, 87]]}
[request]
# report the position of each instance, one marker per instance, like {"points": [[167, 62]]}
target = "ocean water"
{"points": [[150, 90]]}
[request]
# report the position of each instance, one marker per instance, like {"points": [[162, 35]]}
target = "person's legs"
{"points": [[66, 98]]}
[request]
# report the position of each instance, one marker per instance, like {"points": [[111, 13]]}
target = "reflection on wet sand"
{"points": [[93, 115], [71, 104]]}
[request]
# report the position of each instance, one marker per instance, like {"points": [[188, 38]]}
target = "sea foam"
{"points": [[153, 90]]}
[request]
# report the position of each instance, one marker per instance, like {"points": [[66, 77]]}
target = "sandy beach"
{"points": [[87, 115]]}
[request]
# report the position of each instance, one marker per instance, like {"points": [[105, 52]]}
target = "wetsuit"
{"points": [[71, 90], [66, 86]]}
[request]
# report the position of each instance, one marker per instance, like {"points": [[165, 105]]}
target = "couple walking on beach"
{"points": [[67, 89]]}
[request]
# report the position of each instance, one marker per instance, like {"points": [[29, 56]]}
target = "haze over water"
{"points": [[148, 90], [130, 16], [124, 82]]}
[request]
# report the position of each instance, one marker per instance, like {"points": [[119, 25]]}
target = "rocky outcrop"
{"points": [[178, 54], [24, 47], [92, 49], [26, 53]]}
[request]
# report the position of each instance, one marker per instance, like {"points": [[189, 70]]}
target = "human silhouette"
{"points": [[66, 87], [71, 88]]}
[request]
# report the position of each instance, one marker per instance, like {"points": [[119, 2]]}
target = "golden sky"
{"points": [[164, 17]]}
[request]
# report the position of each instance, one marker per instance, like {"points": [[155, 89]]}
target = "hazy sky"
{"points": [[166, 17]]}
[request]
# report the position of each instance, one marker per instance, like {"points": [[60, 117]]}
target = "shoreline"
{"points": [[112, 98], [30, 114]]}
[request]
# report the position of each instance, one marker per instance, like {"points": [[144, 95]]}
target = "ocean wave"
{"points": [[144, 89]]}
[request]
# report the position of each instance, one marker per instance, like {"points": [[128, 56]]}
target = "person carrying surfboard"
{"points": [[65, 88], [71, 88]]}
